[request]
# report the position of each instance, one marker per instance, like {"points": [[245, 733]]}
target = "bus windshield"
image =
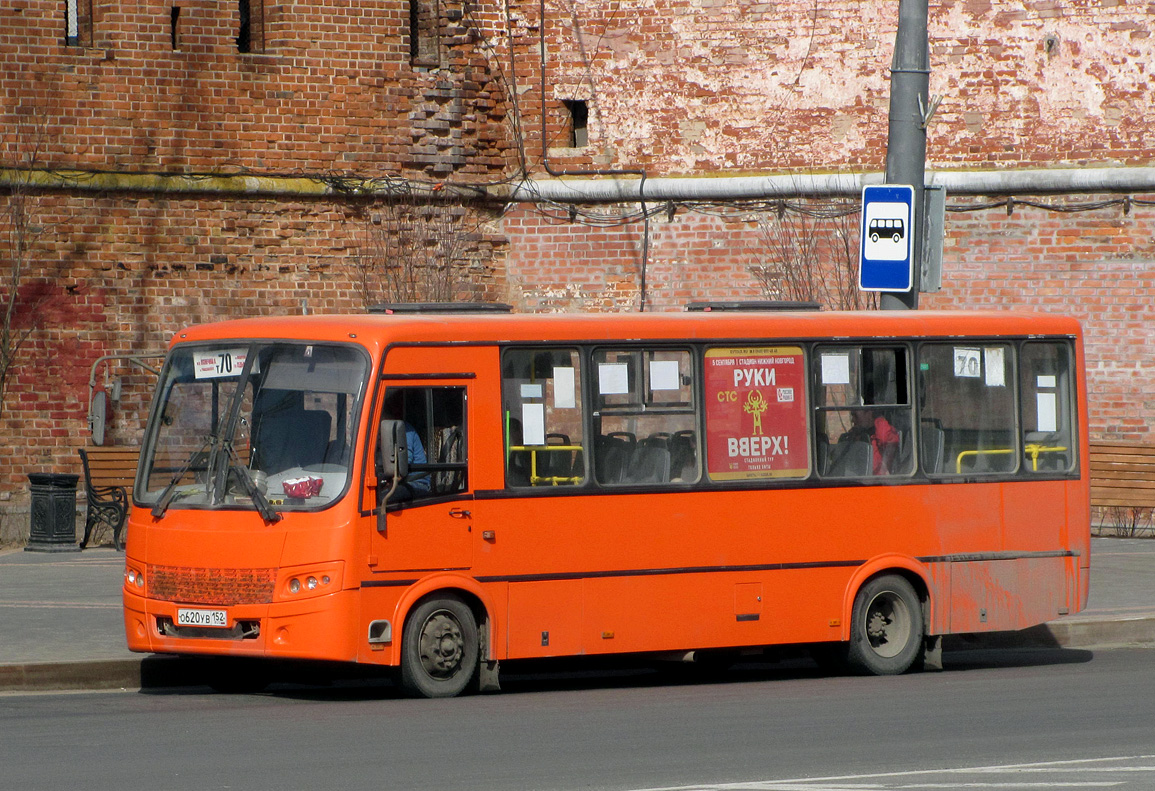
{"points": [[265, 426]]}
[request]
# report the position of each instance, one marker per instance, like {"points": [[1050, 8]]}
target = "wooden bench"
{"points": [[1123, 482], [109, 473]]}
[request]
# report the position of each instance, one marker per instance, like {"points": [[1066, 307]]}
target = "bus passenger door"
{"points": [[427, 523]]}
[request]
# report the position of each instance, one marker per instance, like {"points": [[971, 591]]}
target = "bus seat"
{"points": [[556, 463], [905, 455], [933, 441], [649, 464], [612, 456], [624, 436], [337, 452], [856, 460], [448, 452], [293, 437], [683, 454], [517, 468]]}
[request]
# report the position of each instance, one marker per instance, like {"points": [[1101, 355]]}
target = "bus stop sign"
{"points": [[886, 260]]}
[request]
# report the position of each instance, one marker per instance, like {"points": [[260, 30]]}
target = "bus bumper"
{"points": [[315, 628]]}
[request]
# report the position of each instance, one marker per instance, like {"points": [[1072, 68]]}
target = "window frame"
{"points": [[426, 433], [917, 471], [642, 375], [819, 350]]}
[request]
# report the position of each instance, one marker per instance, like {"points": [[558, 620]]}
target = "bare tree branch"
{"points": [[811, 255], [18, 232], [416, 252]]}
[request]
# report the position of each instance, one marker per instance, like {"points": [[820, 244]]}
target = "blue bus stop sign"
{"points": [[886, 262]]}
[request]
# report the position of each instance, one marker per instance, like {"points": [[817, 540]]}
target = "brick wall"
{"points": [[333, 91], [693, 87]]}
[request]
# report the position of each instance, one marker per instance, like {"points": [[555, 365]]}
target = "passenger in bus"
{"points": [[876, 430], [416, 484]]}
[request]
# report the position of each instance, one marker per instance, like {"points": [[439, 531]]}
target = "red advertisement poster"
{"points": [[756, 413]]}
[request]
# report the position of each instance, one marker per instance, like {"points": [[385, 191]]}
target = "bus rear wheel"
{"points": [[439, 649], [886, 632]]}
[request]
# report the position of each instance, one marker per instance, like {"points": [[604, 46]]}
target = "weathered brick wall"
{"points": [[334, 95], [695, 87], [333, 92]]}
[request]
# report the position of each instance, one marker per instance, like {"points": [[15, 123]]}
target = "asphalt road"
{"points": [[1044, 719]]}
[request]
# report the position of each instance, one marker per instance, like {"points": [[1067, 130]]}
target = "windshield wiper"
{"points": [[264, 508], [166, 497]]}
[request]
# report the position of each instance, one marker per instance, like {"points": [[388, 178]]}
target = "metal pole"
{"points": [[906, 137]]}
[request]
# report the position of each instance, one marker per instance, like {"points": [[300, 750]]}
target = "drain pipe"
{"points": [[830, 185]]}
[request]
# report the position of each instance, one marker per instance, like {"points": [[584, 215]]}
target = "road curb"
{"points": [[1117, 632], [86, 674]]}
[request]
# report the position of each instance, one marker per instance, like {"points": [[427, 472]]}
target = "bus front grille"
{"points": [[216, 586]]}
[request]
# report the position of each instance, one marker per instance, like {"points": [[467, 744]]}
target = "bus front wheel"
{"points": [[439, 649], [886, 630]]}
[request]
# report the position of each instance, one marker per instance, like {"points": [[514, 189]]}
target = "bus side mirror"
{"points": [[392, 449]]}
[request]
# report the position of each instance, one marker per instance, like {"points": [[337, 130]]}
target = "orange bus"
{"points": [[440, 493]]}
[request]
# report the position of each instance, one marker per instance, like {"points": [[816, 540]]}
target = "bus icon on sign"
{"points": [[886, 231], [893, 228]]}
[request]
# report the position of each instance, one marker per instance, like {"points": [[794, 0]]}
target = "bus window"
{"points": [[1048, 431], [283, 430], [435, 438], [542, 412], [645, 418], [968, 405], [756, 413], [863, 413]]}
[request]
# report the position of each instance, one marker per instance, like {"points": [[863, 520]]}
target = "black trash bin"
{"points": [[53, 513]]}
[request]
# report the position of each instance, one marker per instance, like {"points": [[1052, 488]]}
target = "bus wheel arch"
{"points": [[440, 646], [446, 617], [888, 624]]}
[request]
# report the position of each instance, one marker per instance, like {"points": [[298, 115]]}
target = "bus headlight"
{"points": [[304, 581], [133, 579]]}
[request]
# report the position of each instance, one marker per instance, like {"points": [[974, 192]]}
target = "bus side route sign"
{"points": [[886, 260]]}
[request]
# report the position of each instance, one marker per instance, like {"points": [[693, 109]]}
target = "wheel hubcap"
{"points": [[442, 645], [888, 624]]}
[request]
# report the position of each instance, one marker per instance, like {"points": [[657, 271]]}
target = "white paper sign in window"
{"points": [[968, 363], [835, 369], [613, 378], [996, 366], [664, 375], [564, 392], [533, 424], [1048, 411], [531, 391]]}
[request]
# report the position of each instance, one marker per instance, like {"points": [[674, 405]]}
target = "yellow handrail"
{"points": [[554, 480], [1032, 449]]}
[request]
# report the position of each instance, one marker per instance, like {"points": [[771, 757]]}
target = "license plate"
{"points": [[218, 618]]}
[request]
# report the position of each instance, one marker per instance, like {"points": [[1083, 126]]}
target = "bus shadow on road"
{"points": [[337, 682], [990, 658]]}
